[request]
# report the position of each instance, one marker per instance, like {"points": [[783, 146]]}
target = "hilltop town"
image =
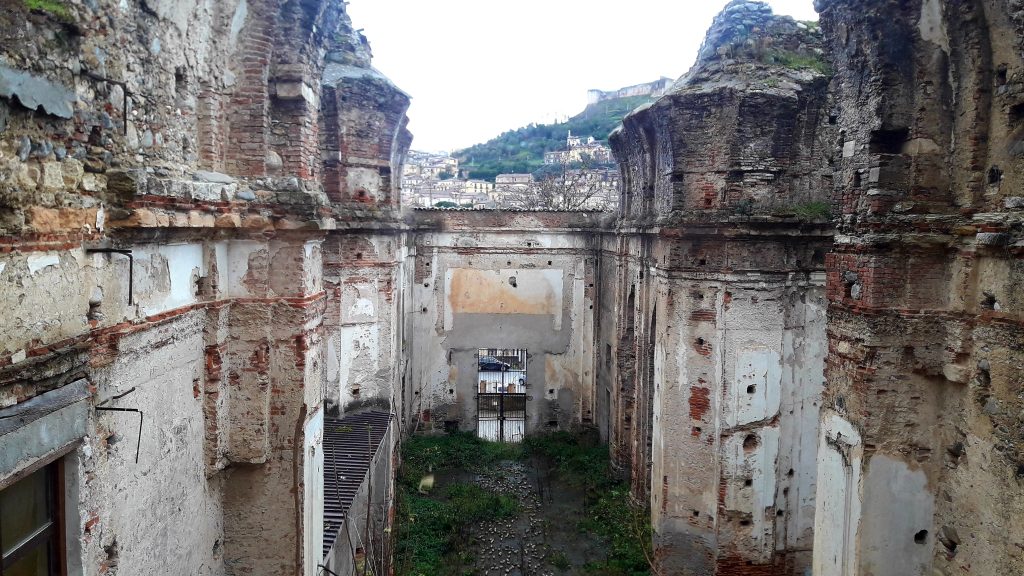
{"points": [[583, 176]]}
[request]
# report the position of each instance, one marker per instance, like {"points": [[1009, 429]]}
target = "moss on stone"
{"points": [[799, 61], [813, 210], [55, 8]]}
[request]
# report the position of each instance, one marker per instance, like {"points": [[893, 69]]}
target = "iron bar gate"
{"points": [[501, 396]]}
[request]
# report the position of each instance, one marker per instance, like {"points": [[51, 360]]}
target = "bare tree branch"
{"points": [[560, 186]]}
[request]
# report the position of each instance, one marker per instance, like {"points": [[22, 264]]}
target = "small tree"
{"points": [[560, 186]]}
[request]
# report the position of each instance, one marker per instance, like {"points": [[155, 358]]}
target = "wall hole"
{"points": [[696, 513], [790, 473], [1016, 114], [751, 442], [921, 537], [744, 522], [748, 482], [751, 389], [888, 141], [989, 301], [549, 262], [359, 255]]}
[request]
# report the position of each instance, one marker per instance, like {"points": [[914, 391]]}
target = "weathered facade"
{"points": [[920, 453], [714, 300], [523, 280], [800, 333], [181, 182]]}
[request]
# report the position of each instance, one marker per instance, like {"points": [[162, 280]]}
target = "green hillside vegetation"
{"points": [[522, 150]]}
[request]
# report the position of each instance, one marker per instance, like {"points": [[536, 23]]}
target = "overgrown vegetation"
{"points": [[522, 150], [422, 455], [813, 210], [431, 528], [798, 61], [609, 512], [55, 8]]}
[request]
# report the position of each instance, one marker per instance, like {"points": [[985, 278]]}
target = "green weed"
{"points": [[610, 513], [798, 61], [55, 8], [813, 210], [430, 527]]}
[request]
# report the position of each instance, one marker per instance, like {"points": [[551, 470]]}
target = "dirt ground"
{"points": [[543, 539]]}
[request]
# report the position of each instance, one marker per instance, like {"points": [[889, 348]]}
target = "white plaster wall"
{"points": [[313, 493], [886, 539], [551, 282], [238, 255], [50, 281], [182, 264], [359, 364], [838, 498], [739, 464], [805, 347], [161, 511], [759, 368]]}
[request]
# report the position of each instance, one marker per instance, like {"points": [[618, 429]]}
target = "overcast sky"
{"points": [[476, 68]]}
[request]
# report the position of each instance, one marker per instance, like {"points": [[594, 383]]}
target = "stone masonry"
{"points": [[800, 334]]}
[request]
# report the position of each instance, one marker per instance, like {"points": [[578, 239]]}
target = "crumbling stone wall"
{"points": [[922, 408], [515, 279], [716, 274], [167, 234], [198, 221]]}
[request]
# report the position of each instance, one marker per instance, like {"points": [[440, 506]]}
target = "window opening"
{"points": [[501, 395], [30, 525]]}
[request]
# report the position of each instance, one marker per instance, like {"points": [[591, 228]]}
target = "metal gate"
{"points": [[501, 396]]}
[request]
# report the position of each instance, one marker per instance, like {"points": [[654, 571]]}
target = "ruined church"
{"points": [[801, 334]]}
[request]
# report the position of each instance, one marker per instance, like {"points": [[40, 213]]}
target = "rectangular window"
{"points": [[31, 532]]}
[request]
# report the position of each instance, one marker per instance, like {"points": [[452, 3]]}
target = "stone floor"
{"points": [[543, 540]]}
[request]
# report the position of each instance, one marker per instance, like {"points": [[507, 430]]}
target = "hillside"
{"points": [[522, 150]]}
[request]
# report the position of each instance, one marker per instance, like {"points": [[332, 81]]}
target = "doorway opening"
{"points": [[501, 394]]}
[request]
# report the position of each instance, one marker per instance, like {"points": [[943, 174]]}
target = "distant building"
{"points": [[512, 179], [652, 89], [429, 166], [578, 150]]}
